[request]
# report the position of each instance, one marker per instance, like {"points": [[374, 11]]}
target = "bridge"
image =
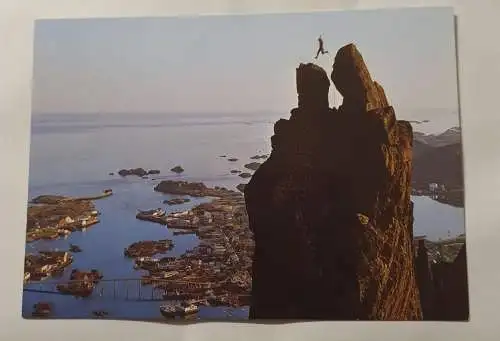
{"points": [[129, 289]]}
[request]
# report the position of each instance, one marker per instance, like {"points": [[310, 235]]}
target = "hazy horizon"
{"points": [[241, 64]]}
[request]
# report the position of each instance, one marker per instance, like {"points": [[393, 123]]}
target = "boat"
{"points": [[156, 215], [182, 309], [74, 248], [42, 309], [100, 313], [157, 212]]}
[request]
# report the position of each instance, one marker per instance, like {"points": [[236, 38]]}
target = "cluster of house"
{"points": [[54, 221], [224, 255], [434, 187], [45, 264]]}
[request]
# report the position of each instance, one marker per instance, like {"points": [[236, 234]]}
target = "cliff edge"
{"points": [[330, 209]]}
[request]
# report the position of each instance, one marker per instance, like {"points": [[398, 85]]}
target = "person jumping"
{"points": [[321, 48]]}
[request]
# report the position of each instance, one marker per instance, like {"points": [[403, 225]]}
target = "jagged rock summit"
{"points": [[330, 208]]}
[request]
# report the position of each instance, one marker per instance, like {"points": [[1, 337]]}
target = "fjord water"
{"points": [[73, 154]]}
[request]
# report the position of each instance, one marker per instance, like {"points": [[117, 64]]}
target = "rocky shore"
{"points": [[45, 264], [81, 284], [148, 248], [194, 189], [137, 171], [54, 217], [176, 201]]}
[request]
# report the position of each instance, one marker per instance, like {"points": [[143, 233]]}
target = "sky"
{"points": [[241, 63]]}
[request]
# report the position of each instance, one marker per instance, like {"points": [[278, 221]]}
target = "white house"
{"points": [[433, 187]]}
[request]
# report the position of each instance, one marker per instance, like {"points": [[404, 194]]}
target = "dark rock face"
{"points": [[330, 209], [424, 281], [177, 169], [443, 287]]}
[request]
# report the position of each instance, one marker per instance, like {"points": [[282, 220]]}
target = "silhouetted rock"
{"points": [[443, 282], [177, 169], [235, 171], [154, 171], [253, 165], [424, 280], [330, 209], [232, 159], [133, 171]]}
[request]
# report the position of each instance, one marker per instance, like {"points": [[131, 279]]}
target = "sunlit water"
{"points": [[73, 154]]}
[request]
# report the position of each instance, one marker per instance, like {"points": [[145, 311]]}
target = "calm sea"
{"points": [[73, 155]]}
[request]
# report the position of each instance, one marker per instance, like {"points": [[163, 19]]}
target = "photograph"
{"points": [[259, 167]]}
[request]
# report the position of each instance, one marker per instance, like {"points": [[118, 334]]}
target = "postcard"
{"points": [[289, 167]]}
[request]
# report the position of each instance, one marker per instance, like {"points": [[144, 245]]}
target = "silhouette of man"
{"points": [[321, 48]]}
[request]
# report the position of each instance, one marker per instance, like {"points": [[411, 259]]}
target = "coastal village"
{"points": [[217, 272]]}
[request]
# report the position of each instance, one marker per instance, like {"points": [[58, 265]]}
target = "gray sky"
{"points": [[235, 64]]}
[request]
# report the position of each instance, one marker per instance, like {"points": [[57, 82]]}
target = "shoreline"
{"points": [[210, 237]]}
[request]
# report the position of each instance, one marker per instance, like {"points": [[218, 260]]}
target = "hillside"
{"points": [[450, 136], [442, 165]]}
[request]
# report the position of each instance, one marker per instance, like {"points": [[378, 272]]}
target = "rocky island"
{"points": [[177, 169], [253, 165], [81, 283], [53, 217], [337, 189], [257, 157], [194, 189], [148, 248], [45, 264], [137, 171]]}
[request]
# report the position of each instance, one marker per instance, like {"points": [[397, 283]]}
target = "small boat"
{"points": [[182, 309], [100, 313], [42, 309], [158, 212], [74, 248]]}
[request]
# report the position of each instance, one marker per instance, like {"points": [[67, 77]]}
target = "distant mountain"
{"points": [[450, 136]]}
